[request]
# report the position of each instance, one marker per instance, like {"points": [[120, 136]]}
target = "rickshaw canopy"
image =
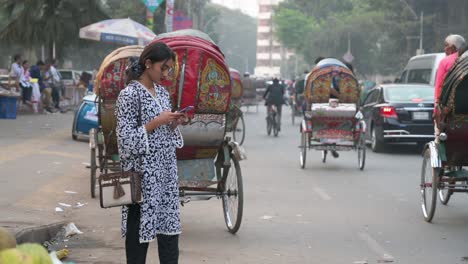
{"points": [[330, 72]]}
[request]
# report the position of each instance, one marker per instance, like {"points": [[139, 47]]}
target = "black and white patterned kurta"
{"points": [[160, 207]]}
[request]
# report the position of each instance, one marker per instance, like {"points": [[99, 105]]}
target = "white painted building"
{"points": [[269, 52]]}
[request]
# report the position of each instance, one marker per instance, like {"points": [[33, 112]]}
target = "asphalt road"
{"points": [[327, 213]]}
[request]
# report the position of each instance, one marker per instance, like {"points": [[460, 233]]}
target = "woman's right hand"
{"points": [[168, 117], [163, 119]]}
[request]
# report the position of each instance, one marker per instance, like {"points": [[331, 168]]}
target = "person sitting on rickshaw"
{"points": [[335, 94], [274, 95]]}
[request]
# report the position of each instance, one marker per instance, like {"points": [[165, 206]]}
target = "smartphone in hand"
{"points": [[186, 109]]}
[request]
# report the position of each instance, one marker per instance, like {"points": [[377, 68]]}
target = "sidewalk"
{"points": [[43, 169], [40, 167]]}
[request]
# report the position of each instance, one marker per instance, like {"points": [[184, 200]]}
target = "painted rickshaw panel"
{"points": [[237, 88], [332, 124]]}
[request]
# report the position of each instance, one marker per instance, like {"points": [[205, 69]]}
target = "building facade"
{"points": [[270, 54]]}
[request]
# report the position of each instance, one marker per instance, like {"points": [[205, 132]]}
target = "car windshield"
{"points": [[66, 75], [419, 76], [409, 93]]}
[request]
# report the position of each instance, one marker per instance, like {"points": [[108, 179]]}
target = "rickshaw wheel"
{"points": [[233, 197], [238, 132], [93, 165], [303, 155], [429, 187], [361, 148], [444, 194], [74, 135]]}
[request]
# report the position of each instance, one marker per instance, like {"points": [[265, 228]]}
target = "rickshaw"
{"points": [[85, 117], [208, 164], [442, 172], [235, 118], [109, 81], [332, 124], [249, 95]]}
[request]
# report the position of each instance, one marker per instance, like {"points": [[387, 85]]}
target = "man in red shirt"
{"points": [[452, 44]]}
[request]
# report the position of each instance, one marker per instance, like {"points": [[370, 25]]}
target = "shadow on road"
{"points": [[402, 149]]}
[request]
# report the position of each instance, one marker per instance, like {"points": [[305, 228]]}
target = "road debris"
{"points": [[71, 230]]}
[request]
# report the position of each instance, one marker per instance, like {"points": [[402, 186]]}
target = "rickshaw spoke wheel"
{"points": [[93, 164], [429, 187], [444, 193], [238, 133], [233, 197], [304, 146], [361, 152]]}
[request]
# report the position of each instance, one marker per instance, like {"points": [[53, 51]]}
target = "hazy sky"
{"points": [[247, 6]]}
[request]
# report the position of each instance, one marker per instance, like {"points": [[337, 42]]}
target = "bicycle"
{"points": [[272, 120]]}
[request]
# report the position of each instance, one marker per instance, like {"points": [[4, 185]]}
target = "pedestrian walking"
{"points": [[155, 142]]}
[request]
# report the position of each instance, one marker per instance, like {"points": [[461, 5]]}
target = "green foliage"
{"points": [[381, 31], [32, 23]]}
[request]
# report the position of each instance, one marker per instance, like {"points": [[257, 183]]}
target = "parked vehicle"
{"points": [[70, 78], [421, 69], [70, 81], [86, 117], [399, 113]]}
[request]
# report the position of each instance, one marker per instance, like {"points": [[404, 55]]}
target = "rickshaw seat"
{"points": [[333, 123]]}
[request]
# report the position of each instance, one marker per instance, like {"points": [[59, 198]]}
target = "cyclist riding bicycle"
{"points": [[274, 95]]}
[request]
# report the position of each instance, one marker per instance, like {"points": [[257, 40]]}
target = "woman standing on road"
{"points": [[158, 216]]}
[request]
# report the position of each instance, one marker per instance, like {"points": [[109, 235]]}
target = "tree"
{"points": [[37, 22], [384, 34]]}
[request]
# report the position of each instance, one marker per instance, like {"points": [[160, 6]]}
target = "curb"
{"points": [[39, 234]]}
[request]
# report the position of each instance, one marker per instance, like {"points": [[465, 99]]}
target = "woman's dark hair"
{"points": [[24, 62], [155, 52]]}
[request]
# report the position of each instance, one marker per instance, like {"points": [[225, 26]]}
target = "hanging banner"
{"points": [[149, 19], [152, 5], [169, 14], [181, 21]]}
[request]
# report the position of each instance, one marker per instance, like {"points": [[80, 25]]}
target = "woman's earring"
{"points": [[147, 67]]}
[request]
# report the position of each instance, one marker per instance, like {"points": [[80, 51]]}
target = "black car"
{"points": [[397, 113]]}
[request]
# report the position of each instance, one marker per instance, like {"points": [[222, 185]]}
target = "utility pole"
{"points": [[421, 28]]}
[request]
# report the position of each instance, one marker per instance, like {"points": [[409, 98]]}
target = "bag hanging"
{"points": [[124, 187]]}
